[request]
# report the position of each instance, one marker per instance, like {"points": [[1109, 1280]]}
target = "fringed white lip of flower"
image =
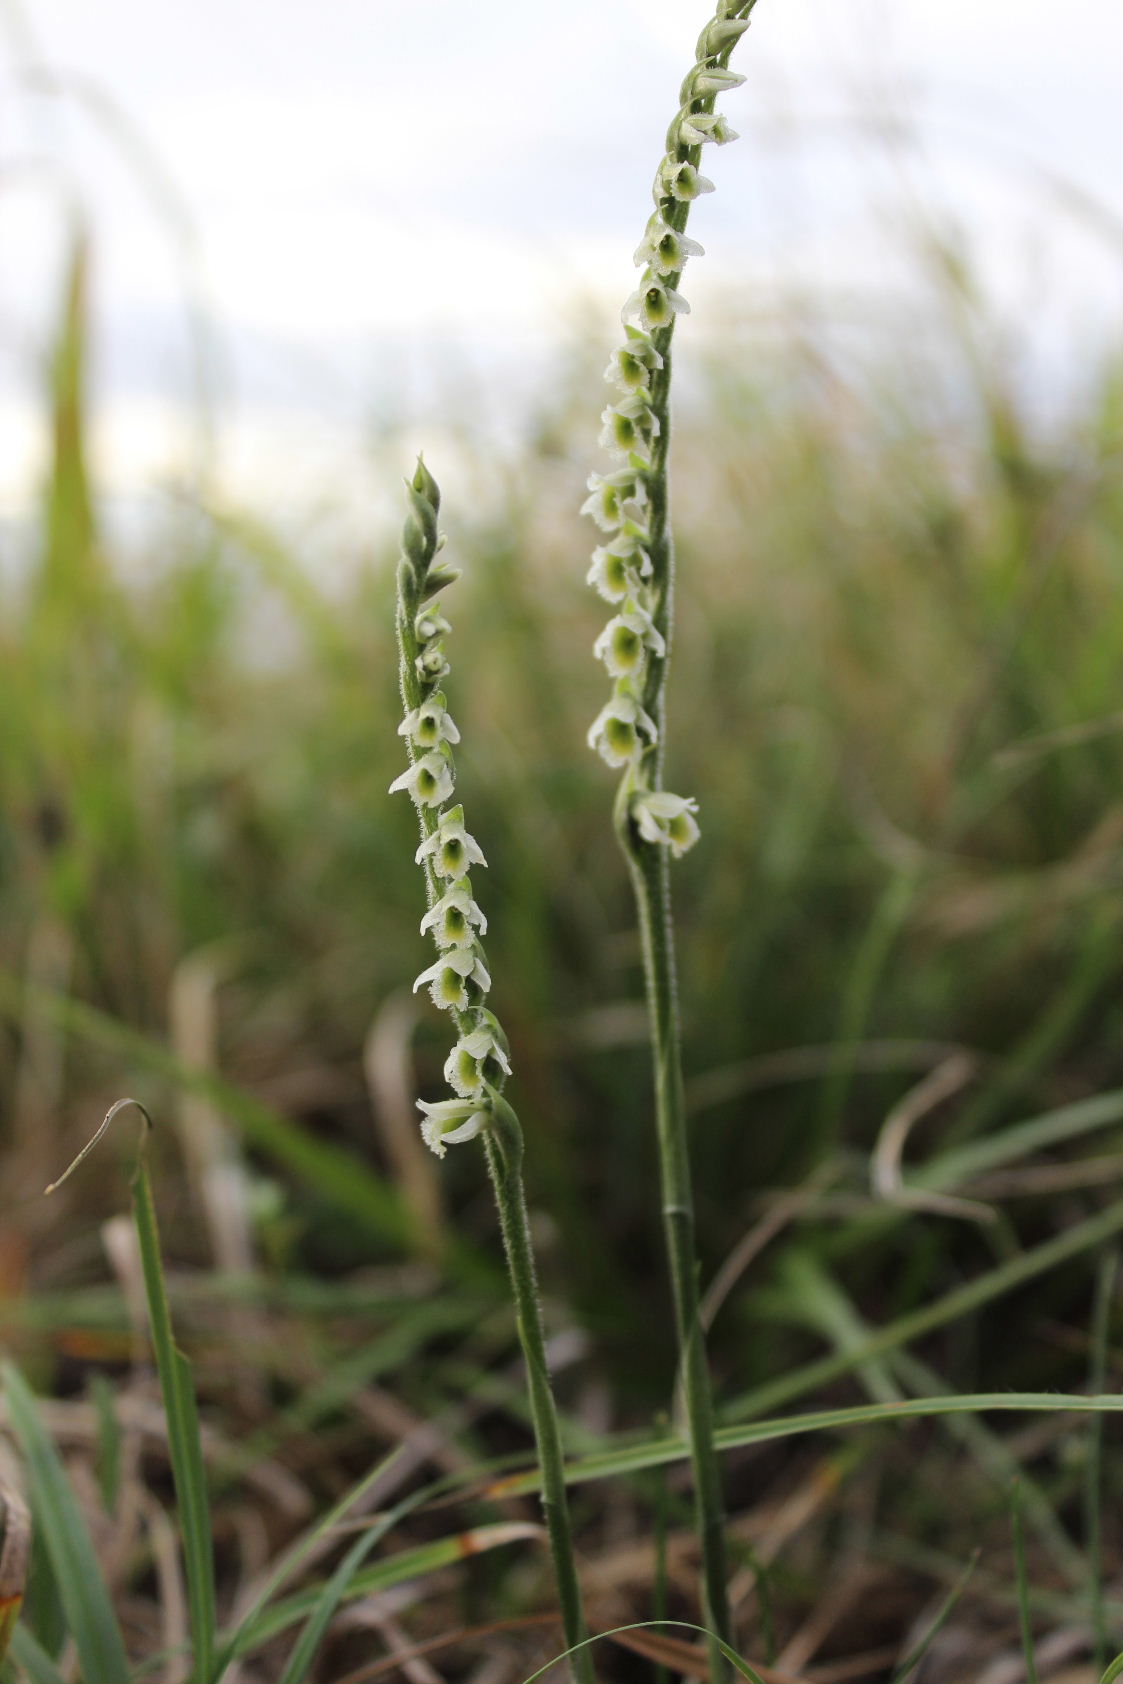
{"points": [[449, 1121], [429, 725], [630, 426], [665, 250], [620, 730], [632, 364], [655, 304], [466, 1066], [450, 847], [428, 780], [455, 918], [682, 181], [617, 569], [616, 500], [695, 128], [667, 820], [625, 641], [449, 977]]}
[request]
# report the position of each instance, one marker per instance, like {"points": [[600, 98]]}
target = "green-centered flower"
{"points": [[477, 1058], [632, 364], [621, 730], [455, 918], [429, 780], [450, 847], [629, 426], [457, 980], [447, 1122], [625, 641], [681, 180], [664, 249], [618, 568], [666, 819], [655, 304], [616, 499], [429, 725]]}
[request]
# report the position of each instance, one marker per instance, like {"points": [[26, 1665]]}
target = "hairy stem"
{"points": [[504, 1159], [651, 880]]}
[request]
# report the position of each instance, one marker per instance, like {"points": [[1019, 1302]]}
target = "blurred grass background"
{"points": [[894, 697]]}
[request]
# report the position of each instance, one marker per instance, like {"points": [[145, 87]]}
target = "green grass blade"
{"points": [[961, 1301], [34, 1659], [963, 1163], [737, 1662], [915, 1656], [235, 1642], [335, 1174], [1113, 1671], [1093, 1480], [395, 1570], [184, 1443], [304, 1651], [85, 1598], [1025, 1617], [109, 1442], [652, 1454]]}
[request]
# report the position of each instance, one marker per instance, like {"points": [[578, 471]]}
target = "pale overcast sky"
{"points": [[376, 188]]}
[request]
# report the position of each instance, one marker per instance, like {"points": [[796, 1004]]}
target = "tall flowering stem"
{"points": [[633, 569], [478, 1066]]}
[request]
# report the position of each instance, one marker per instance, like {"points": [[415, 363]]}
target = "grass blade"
{"points": [[184, 1445], [1025, 1617], [961, 1301], [915, 1656], [304, 1651], [1113, 1671], [34, 1659], [85, 1598], [395, 1570], [630, 1458], [736, 1661], [1093, 1482]]}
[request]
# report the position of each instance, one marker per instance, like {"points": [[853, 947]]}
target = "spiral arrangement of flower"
{"points": [[633, 568]]}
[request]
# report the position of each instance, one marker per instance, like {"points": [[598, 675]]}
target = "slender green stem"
{"points": [[651, 881], [421, 667], [649, 867], [504, 1160]]}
